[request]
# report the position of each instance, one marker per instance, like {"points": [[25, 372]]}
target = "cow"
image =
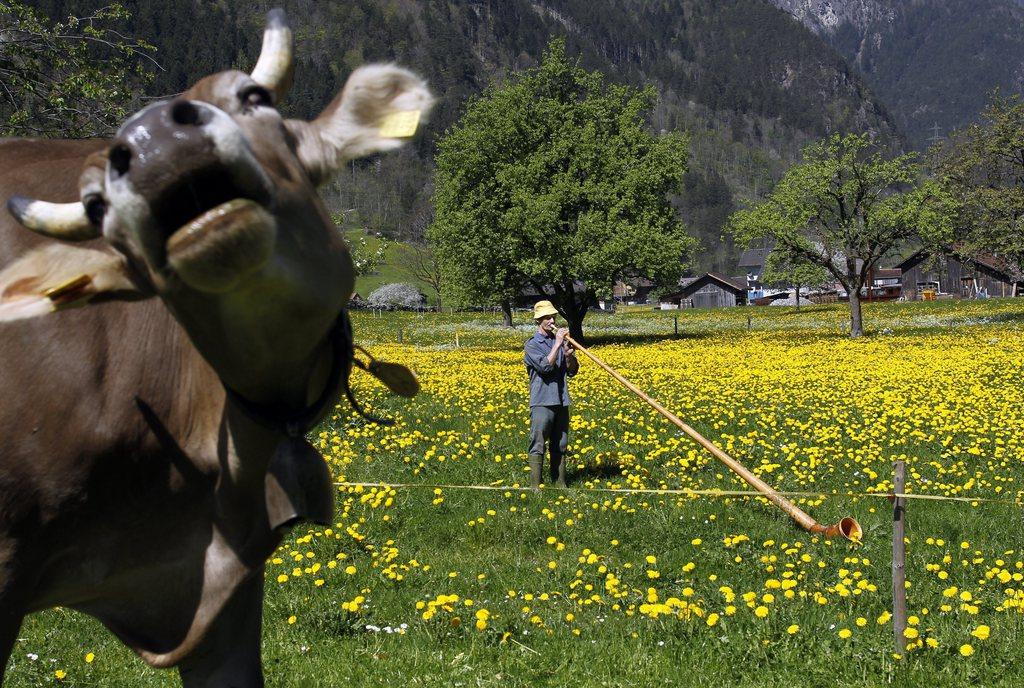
{"points": [[169, 331]]}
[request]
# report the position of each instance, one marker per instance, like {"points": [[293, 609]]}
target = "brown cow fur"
{"points": [[132, 486]]}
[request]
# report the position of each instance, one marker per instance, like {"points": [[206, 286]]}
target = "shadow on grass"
{"points": [[806, 310], [605, 471], [602, 339], [1006, 317]]}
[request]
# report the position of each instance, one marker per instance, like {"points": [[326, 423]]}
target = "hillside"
{"points": [[750, 84], [932, 62]]}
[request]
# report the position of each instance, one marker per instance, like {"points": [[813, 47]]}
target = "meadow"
{"points": [[441, 570]]}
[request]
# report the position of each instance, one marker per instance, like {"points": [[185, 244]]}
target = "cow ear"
{"points": [[57, 277], [379, 109]]}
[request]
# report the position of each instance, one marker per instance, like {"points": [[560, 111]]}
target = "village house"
{"points": [[707, 291], [947, 273], [752, 262], [633, 290]]}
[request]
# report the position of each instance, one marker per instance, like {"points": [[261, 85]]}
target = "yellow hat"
{"points": [[543, 308]]}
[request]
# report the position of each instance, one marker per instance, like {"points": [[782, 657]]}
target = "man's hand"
{"points": [[560, 335]]}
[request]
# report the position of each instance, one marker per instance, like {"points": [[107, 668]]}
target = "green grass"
{"points": [[388, 272], [937, 383]]}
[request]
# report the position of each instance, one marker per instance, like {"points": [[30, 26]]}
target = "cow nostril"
{"points": [[186, 113], [120, 160]]}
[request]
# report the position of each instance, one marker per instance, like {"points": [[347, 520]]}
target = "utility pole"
{"points": [[935, 138]]}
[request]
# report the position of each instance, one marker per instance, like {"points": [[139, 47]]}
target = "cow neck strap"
{"points": [[298, 424]]}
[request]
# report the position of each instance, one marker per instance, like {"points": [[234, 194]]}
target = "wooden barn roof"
{"points": [[691, 285]]}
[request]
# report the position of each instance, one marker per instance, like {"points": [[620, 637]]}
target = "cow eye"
{"points": [[256, 96], [95, 209]]}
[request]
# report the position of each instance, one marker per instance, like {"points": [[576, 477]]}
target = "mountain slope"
{"points": [[751, 84], [933, 62]]}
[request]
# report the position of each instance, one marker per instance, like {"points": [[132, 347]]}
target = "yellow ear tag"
{"points": [[400, 125], [69, 293]]}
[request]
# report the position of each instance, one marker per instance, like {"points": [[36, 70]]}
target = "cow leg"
{"points": [[229, 656]]}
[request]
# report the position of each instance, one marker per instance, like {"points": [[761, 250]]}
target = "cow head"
{"points": [[209, 201]]}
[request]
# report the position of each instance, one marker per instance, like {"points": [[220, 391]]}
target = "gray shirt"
{"points": [[547, 381]]}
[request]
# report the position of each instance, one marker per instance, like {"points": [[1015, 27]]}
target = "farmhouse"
{"points": [[884, 284], [635, 290], [949, 273], [708, 291], [752, 262]]}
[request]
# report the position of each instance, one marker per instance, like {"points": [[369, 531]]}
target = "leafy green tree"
{"points": [[367, 259], [982, 168], [554, 180], [73, 79], [844, 208], [783, 267]]}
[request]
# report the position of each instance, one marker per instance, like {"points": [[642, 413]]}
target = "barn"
{"points": [[949, 273], [708, 291]]}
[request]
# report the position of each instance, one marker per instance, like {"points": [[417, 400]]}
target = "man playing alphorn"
{"points": [[550, 360]]}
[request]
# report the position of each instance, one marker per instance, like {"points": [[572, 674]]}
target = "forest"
{"points": [[748, 83]]}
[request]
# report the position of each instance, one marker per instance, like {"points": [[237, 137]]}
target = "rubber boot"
{"points": [[558, 471], [535, 470]]}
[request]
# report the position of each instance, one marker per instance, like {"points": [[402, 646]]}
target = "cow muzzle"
{"points": [[182, 178]]}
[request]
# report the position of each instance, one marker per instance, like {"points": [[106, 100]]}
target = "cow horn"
{"points": [[274, 68], [66, 221]]}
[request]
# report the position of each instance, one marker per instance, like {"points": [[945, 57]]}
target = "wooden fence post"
{"points": [[675, 324], [399, 335], [899, 558]]}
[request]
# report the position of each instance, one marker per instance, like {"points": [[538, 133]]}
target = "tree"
{"points": [[366, 258], [395, 295], [72, 79], [982, 168], [783, 267], [420, 262], [844, 208], [553, 181]]}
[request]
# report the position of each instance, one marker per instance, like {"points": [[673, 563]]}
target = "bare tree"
{"points": [[418, 260]]}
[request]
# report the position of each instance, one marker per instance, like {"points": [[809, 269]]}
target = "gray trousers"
{"points": [[549, 425]]}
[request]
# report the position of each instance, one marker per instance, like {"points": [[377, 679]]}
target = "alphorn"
{"points": [[847, 527]]}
